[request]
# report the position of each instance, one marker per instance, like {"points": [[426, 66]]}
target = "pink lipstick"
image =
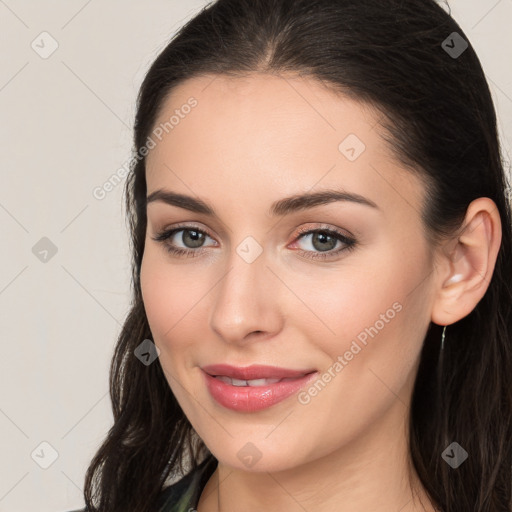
{"points": [[253, 388]]}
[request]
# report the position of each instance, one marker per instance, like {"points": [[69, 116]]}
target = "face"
{"points": [[341, 288]]}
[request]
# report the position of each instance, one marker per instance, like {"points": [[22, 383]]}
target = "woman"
{"points": [[317, 196]]}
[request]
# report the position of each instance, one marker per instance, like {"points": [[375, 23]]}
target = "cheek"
{"points": [[350, 301], [165, 295], [379, 323], [167, 302], [156, 292], [176, 304], [375, 317]]}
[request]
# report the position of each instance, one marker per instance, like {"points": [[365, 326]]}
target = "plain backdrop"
{"points": [[69, 75]]}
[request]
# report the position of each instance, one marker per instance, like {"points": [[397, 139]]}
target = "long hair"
{"points": [[440, 122]]}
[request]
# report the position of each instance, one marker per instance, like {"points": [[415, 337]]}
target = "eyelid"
{"points": [[325, 227], [350, 241], [302, 230], [197, 226]]}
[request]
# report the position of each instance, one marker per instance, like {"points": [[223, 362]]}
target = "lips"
{"points": [[251, 382], [254, 373], [252, 395]]}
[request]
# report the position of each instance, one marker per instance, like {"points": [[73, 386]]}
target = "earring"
{"points": [[454, 279], [442, 338]]}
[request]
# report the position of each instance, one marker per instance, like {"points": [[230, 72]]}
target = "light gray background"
{"points": [[65, 129]]}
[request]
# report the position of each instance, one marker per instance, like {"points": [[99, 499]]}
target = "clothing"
{"points": [[183, 495]]}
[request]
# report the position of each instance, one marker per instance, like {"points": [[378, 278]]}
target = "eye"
{"points": [[325, 240], [192, 237]]}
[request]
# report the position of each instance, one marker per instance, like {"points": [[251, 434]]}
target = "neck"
{"points": [[372, 472]]}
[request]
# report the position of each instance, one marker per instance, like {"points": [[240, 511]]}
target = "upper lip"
{"points": [[253, 372]]}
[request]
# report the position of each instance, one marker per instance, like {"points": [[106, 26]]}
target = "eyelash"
{"points": [[350, 243]]}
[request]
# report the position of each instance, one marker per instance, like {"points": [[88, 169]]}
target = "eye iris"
{"points": [[197, 238], [322, 238]]}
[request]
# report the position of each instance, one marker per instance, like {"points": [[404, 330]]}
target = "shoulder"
{"points": [[185, 493]]}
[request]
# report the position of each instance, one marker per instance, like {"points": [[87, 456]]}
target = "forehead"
{"points": [[274, 132], [302, 103]]}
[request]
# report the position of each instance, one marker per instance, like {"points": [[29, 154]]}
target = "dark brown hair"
{"points": [[441, 124]]}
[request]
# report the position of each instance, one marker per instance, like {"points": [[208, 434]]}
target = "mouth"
{"points": [[253, 382], [253, 388], [254, 375]]}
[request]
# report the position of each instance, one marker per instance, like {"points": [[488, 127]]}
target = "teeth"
{"points": [[262, 382], [237, 382], [254, 382]]}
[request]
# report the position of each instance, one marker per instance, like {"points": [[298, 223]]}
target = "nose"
{"points": [[245, 305]]}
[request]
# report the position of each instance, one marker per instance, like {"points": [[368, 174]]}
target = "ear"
{"points": [[466, 263]]}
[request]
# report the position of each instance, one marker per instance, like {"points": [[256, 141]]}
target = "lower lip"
{"points": [[253, 398]]}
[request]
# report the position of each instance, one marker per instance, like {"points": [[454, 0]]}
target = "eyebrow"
{"points": [[281, 207]]}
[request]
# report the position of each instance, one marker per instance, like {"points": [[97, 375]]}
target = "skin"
{"points": [[249, 142]]}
